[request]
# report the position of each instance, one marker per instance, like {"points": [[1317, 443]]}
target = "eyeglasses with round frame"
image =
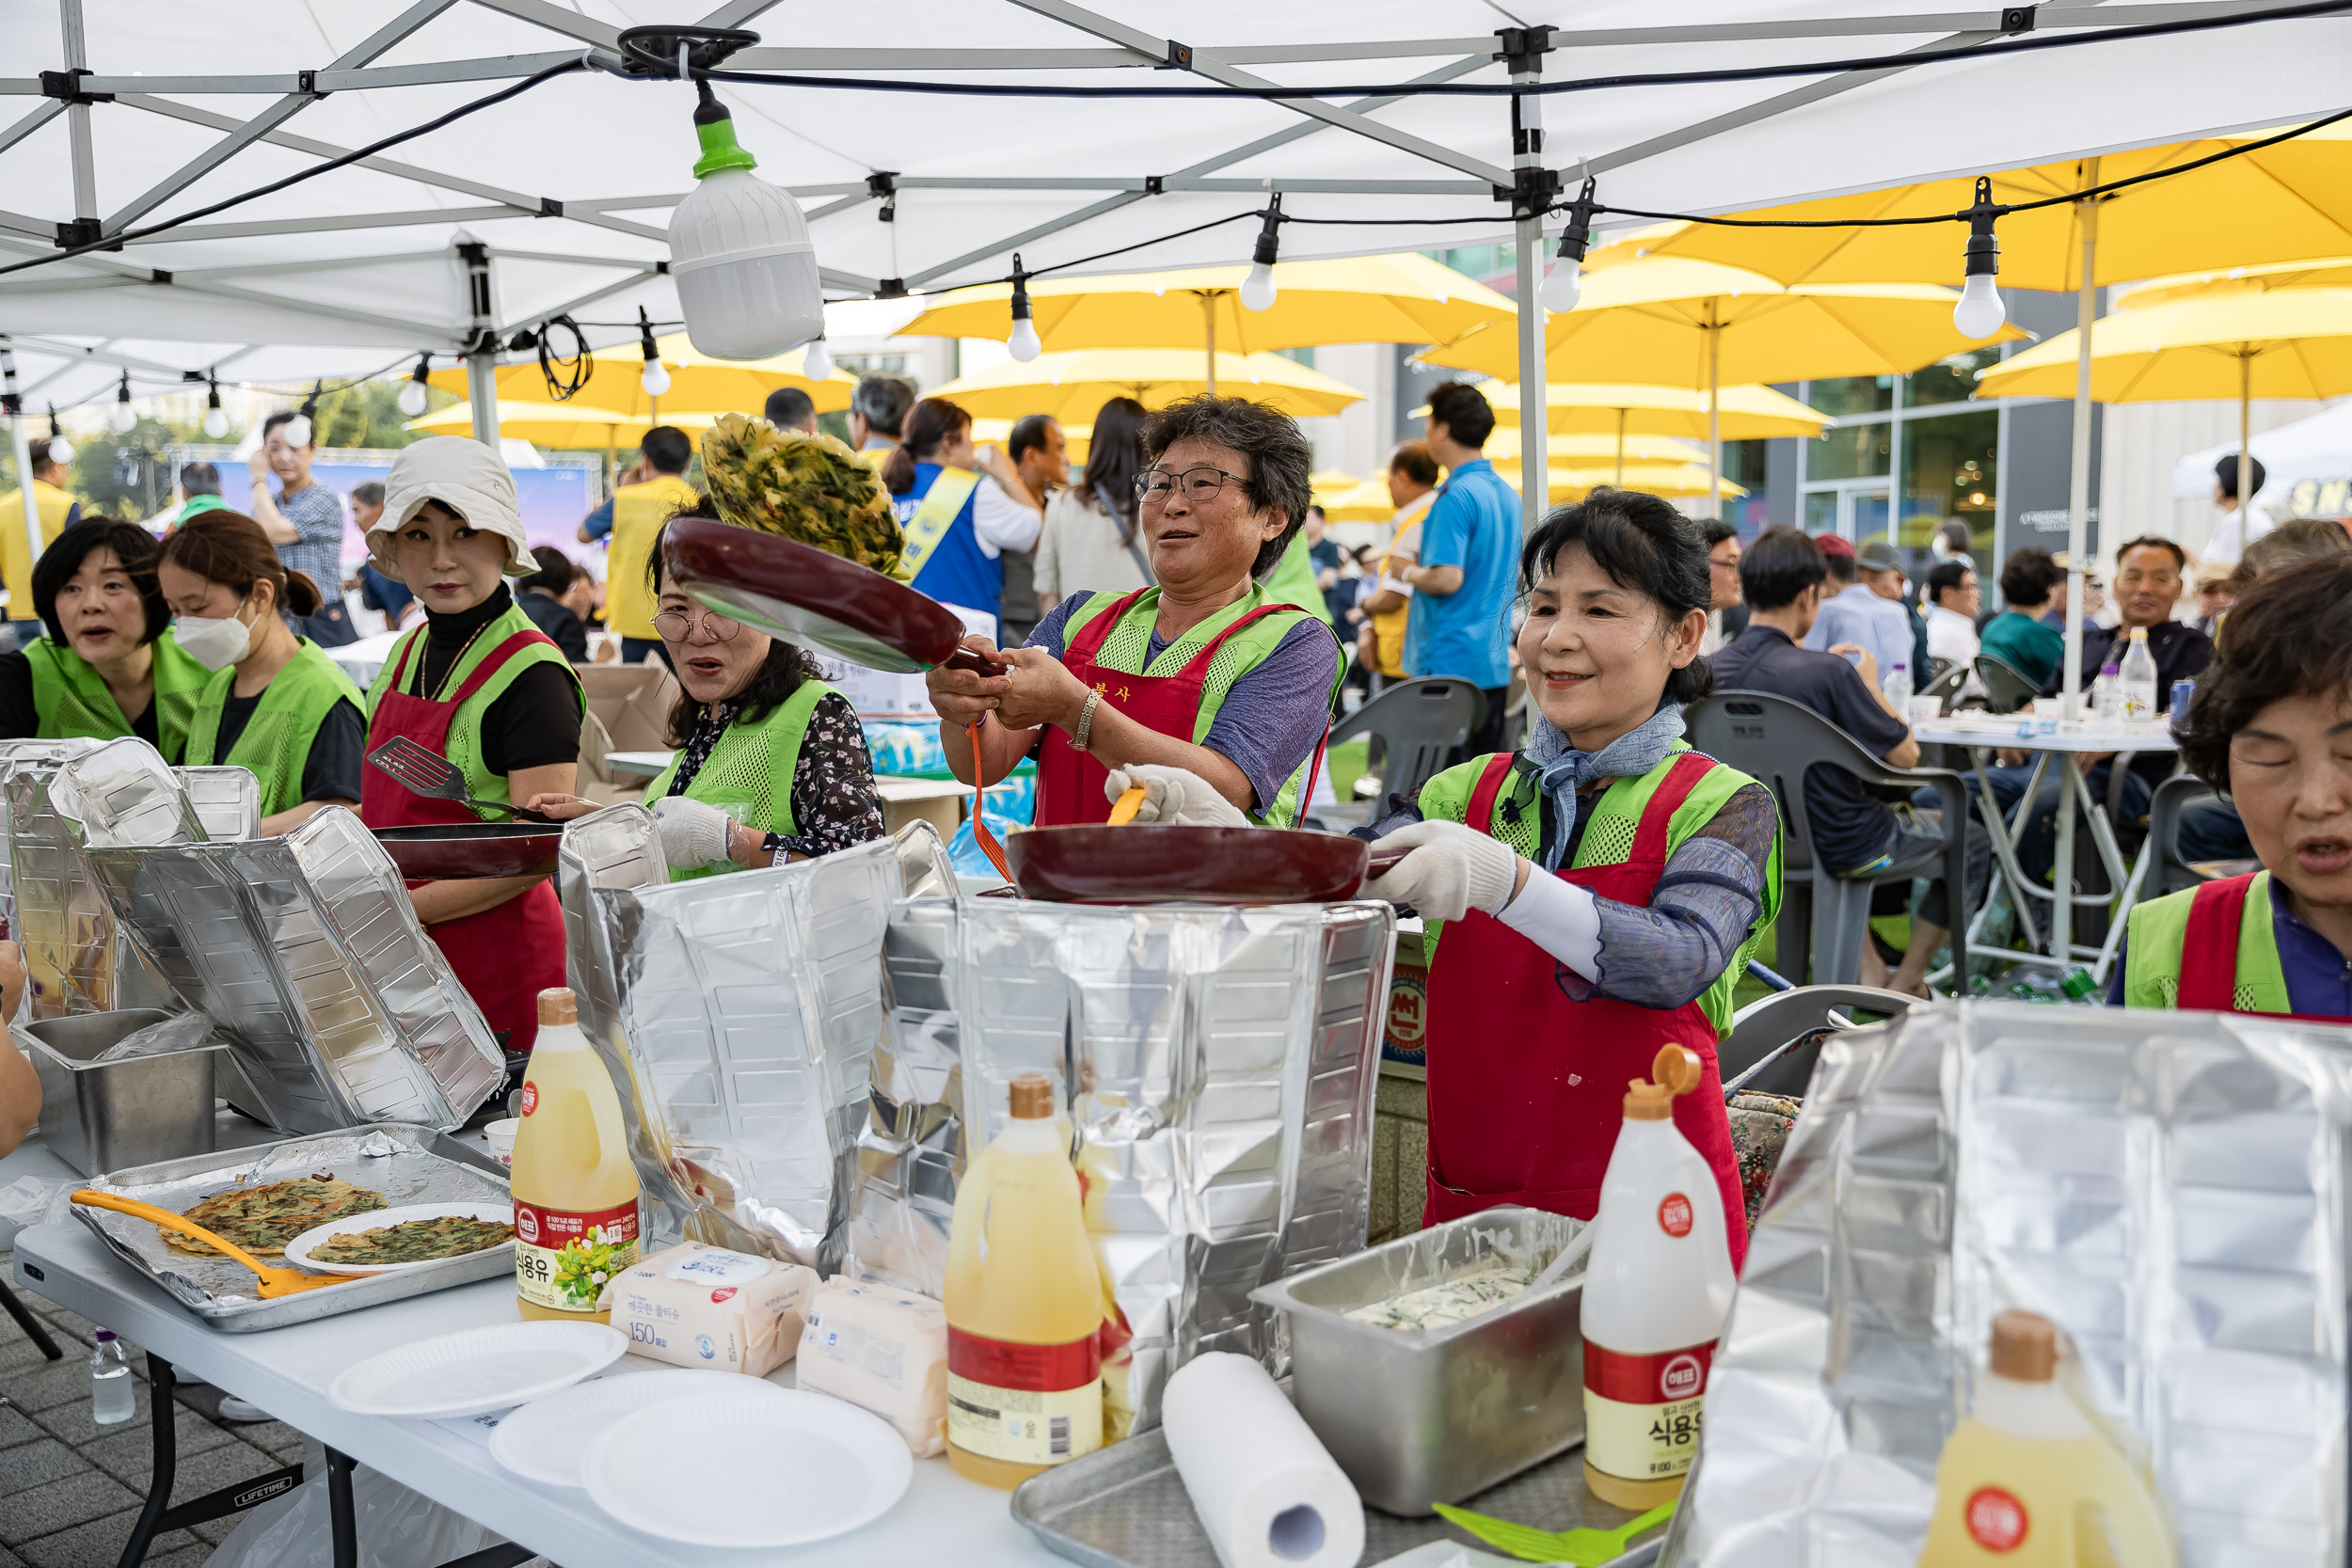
{"points": [[1200, 485], [676, 625]]}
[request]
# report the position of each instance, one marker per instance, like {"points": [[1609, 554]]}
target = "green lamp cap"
{"points": [[720, 150]]}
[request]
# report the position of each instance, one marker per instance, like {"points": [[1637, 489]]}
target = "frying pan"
{"points": [[1153, 863], [441, 851]]}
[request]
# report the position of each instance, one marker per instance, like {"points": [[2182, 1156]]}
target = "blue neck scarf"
{"points": [[1561, 771]]}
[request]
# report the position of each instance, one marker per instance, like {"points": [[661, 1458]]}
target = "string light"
{"points": [[1257, 290], [1979, 312], [412, 400], [656, 379], [816, 363], [60, 450], [215, 419], [1023, 343], [124, 417], [304, 425], [1564, 284]]}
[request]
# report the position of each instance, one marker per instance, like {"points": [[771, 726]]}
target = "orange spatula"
{"points": [[1123, 809], [274, 1282]]}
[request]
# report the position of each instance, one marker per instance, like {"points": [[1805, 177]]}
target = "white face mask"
{"points": [[214, 643]]}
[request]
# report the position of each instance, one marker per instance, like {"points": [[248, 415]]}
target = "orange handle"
{"points": [[170, 1221], [1123, 809], [980, 835]]}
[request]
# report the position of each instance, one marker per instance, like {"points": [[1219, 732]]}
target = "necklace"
{"points": [[455, 665]]}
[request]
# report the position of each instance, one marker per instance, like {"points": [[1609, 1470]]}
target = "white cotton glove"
{"points": [[692, 833], [1451, 871], [1173, 797]]}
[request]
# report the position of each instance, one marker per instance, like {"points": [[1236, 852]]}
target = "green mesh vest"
{"points": [[750, 770], [2160, 930], [276, 744], [1129, 641], [70, 698], [464, 728], [1609, 821]]}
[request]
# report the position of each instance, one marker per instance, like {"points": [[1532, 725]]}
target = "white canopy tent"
{"points": [[557, 199]]}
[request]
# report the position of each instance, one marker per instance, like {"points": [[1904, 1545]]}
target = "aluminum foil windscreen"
{"points": [[29, 754], [2167, 1188], [1219, 1067], [738, 1015]]}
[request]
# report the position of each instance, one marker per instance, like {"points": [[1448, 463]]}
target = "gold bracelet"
{"points": [[1084, 732]]}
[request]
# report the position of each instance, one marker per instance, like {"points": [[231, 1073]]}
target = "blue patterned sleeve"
{"points": [[1670, 952]]}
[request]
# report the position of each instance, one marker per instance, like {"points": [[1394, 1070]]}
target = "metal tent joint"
{"points": [[1521, 45], [66, 86], [653, 51], [1179, 56], [1531, 192], [2017, 18]]}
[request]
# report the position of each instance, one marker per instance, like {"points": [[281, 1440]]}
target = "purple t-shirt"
{"points": [[1274, 715]]}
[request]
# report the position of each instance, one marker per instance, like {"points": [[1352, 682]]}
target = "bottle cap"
{"points": [[557, 1004], [1674, 1071], [2024, 1347], [1032, 1097], [106, 1335]]}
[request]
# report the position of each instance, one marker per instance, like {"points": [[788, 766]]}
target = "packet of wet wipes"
{"points": [[697, 1306]]}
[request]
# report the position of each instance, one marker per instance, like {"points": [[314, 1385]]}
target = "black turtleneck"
{"points": [[535, 721]]}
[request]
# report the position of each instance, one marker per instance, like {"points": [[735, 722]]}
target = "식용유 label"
{"points": [[564, 1259], [1027, 1404], [1641, 1412]]}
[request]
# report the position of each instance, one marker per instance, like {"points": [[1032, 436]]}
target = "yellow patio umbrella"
{"points": [[1075, 384], [1365, 502], [1749, 413], [1659, 479], [2333, 272], [1406, 298], [568, 425], [1701, 324], [1330, 481], [1076, 438], [2282, 344], [698, 384], [1505, 446]]}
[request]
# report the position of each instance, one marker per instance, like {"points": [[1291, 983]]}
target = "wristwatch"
{"points": [[1084, 732]]}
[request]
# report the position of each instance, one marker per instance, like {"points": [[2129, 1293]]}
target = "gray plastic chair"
{"points": [[2006, 687], [1783, 1022], [1414, 725], [2171, 873], [1947, 684], [1775, 740]]}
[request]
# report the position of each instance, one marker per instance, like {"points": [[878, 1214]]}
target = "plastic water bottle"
{"points": [[112, 1400], [2137, 682], [2106, 695], [1898, 687]]}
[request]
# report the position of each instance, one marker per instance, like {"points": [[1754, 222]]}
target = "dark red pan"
{"points": [[438, 852], [1149, 864]]}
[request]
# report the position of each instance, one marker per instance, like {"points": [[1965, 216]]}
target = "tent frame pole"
{"points": [[2077, 564], [2244, 447], [1526, 137], [22, 444]]}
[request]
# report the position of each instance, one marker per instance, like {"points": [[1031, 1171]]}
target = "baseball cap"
{"points": [[1833, 545], [1878, 556]]}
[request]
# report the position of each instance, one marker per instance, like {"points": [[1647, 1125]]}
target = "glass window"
{"points": [[1743, 463], [1950, 469], [1853, 452], [1950, 380], [1302, 355], [1821, 512], [1854, 394]]}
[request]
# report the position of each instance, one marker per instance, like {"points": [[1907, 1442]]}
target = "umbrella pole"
{"points": [[1534, 394], [1714, 414], [1621, 413], [1208, 332], [2245, 448], [2078, 508]]}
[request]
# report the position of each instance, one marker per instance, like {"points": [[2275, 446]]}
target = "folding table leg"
{"points": [[158, 1515], [346, 1533], [30, 1325]]}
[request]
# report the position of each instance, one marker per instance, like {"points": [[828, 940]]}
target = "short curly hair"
{"points": [[2289, 633], [1280, 457]]}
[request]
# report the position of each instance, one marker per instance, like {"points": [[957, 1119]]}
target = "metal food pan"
{"points": [[95, 1115], [1422, 1416], [407, 1164], [1126, 1507]]}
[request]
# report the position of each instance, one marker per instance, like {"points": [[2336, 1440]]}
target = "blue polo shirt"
{"points": [[1473, 524]]}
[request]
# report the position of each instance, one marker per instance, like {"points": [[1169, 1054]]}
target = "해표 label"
{"points": [[1641, 1412], [563, 1259], [1996, 1520], [1027, 1404]]}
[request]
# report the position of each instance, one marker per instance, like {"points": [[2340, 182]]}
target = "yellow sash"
{"points": [[937, 513]]}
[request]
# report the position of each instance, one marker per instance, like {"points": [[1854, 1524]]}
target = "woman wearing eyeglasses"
{"points": [[1203, 691], [772, 763]]}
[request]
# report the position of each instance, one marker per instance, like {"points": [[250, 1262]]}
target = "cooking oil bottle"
{"points": [[575, 1189], [1024, 1303], [2027, 1482]]}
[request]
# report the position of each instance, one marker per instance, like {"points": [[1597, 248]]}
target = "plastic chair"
{"points": [[1775, 740], [1946, 684], [2169, 873], [1416, 723], [1778, 1037], [2005, 687]]}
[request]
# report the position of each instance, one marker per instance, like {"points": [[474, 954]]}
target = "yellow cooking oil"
{"points": [[1025, 1304], [574, 1186]]}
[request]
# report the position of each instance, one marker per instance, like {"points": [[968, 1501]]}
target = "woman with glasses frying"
{"points": [[1204, 691], [772, 763]]}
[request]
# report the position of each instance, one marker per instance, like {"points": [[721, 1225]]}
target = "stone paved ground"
{"points": [[70, 1490]]}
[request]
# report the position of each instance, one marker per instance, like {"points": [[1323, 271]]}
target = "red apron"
{"points": [[1070, 782], [2209, 951], [505, 956], [1526, 1087]]}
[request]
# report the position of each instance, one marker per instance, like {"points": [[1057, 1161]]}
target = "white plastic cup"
{"points": [[2048, 707], [501, 1137], [1926, 710]]}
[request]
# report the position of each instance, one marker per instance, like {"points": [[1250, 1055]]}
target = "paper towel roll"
{"points": [[1265, 1486]]}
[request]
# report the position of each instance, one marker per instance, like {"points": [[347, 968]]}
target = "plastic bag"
{"points": [[397, 1528]]}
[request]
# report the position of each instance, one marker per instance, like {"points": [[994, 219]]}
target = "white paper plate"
{"points": [[739, 1467], [298, 1250], [548, 1440], [477, 1371]]}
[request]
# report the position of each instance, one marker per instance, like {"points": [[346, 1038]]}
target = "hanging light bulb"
{"points": [[816, 363], [1257, 290], [215, 417], [656, 379], [1563, 285], [60, 450], [1979, 312], [412, 400], [1023, 344], [304, 425], [123, 418], [739, 250]]}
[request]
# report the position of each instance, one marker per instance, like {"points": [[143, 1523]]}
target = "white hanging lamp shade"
{"points": [[740, 252]]}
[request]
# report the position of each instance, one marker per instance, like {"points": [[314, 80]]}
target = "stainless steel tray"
{"points": [[1125, 1507], [407, 1164]]}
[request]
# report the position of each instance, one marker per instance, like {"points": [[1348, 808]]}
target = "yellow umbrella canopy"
{"points": [[698, 384], [1365, 502], [2282, 203], [1749, 413], [1505, 446], [1659, 479], [1075, 384], [1076, 438], [1404, 298], [568, 425], [2333, 272]]}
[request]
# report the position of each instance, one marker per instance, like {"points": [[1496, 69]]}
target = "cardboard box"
{"points": [[632, 702]]}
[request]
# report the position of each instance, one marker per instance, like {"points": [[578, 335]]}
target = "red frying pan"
{"points": [[1163, 864], [813, 597]]}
